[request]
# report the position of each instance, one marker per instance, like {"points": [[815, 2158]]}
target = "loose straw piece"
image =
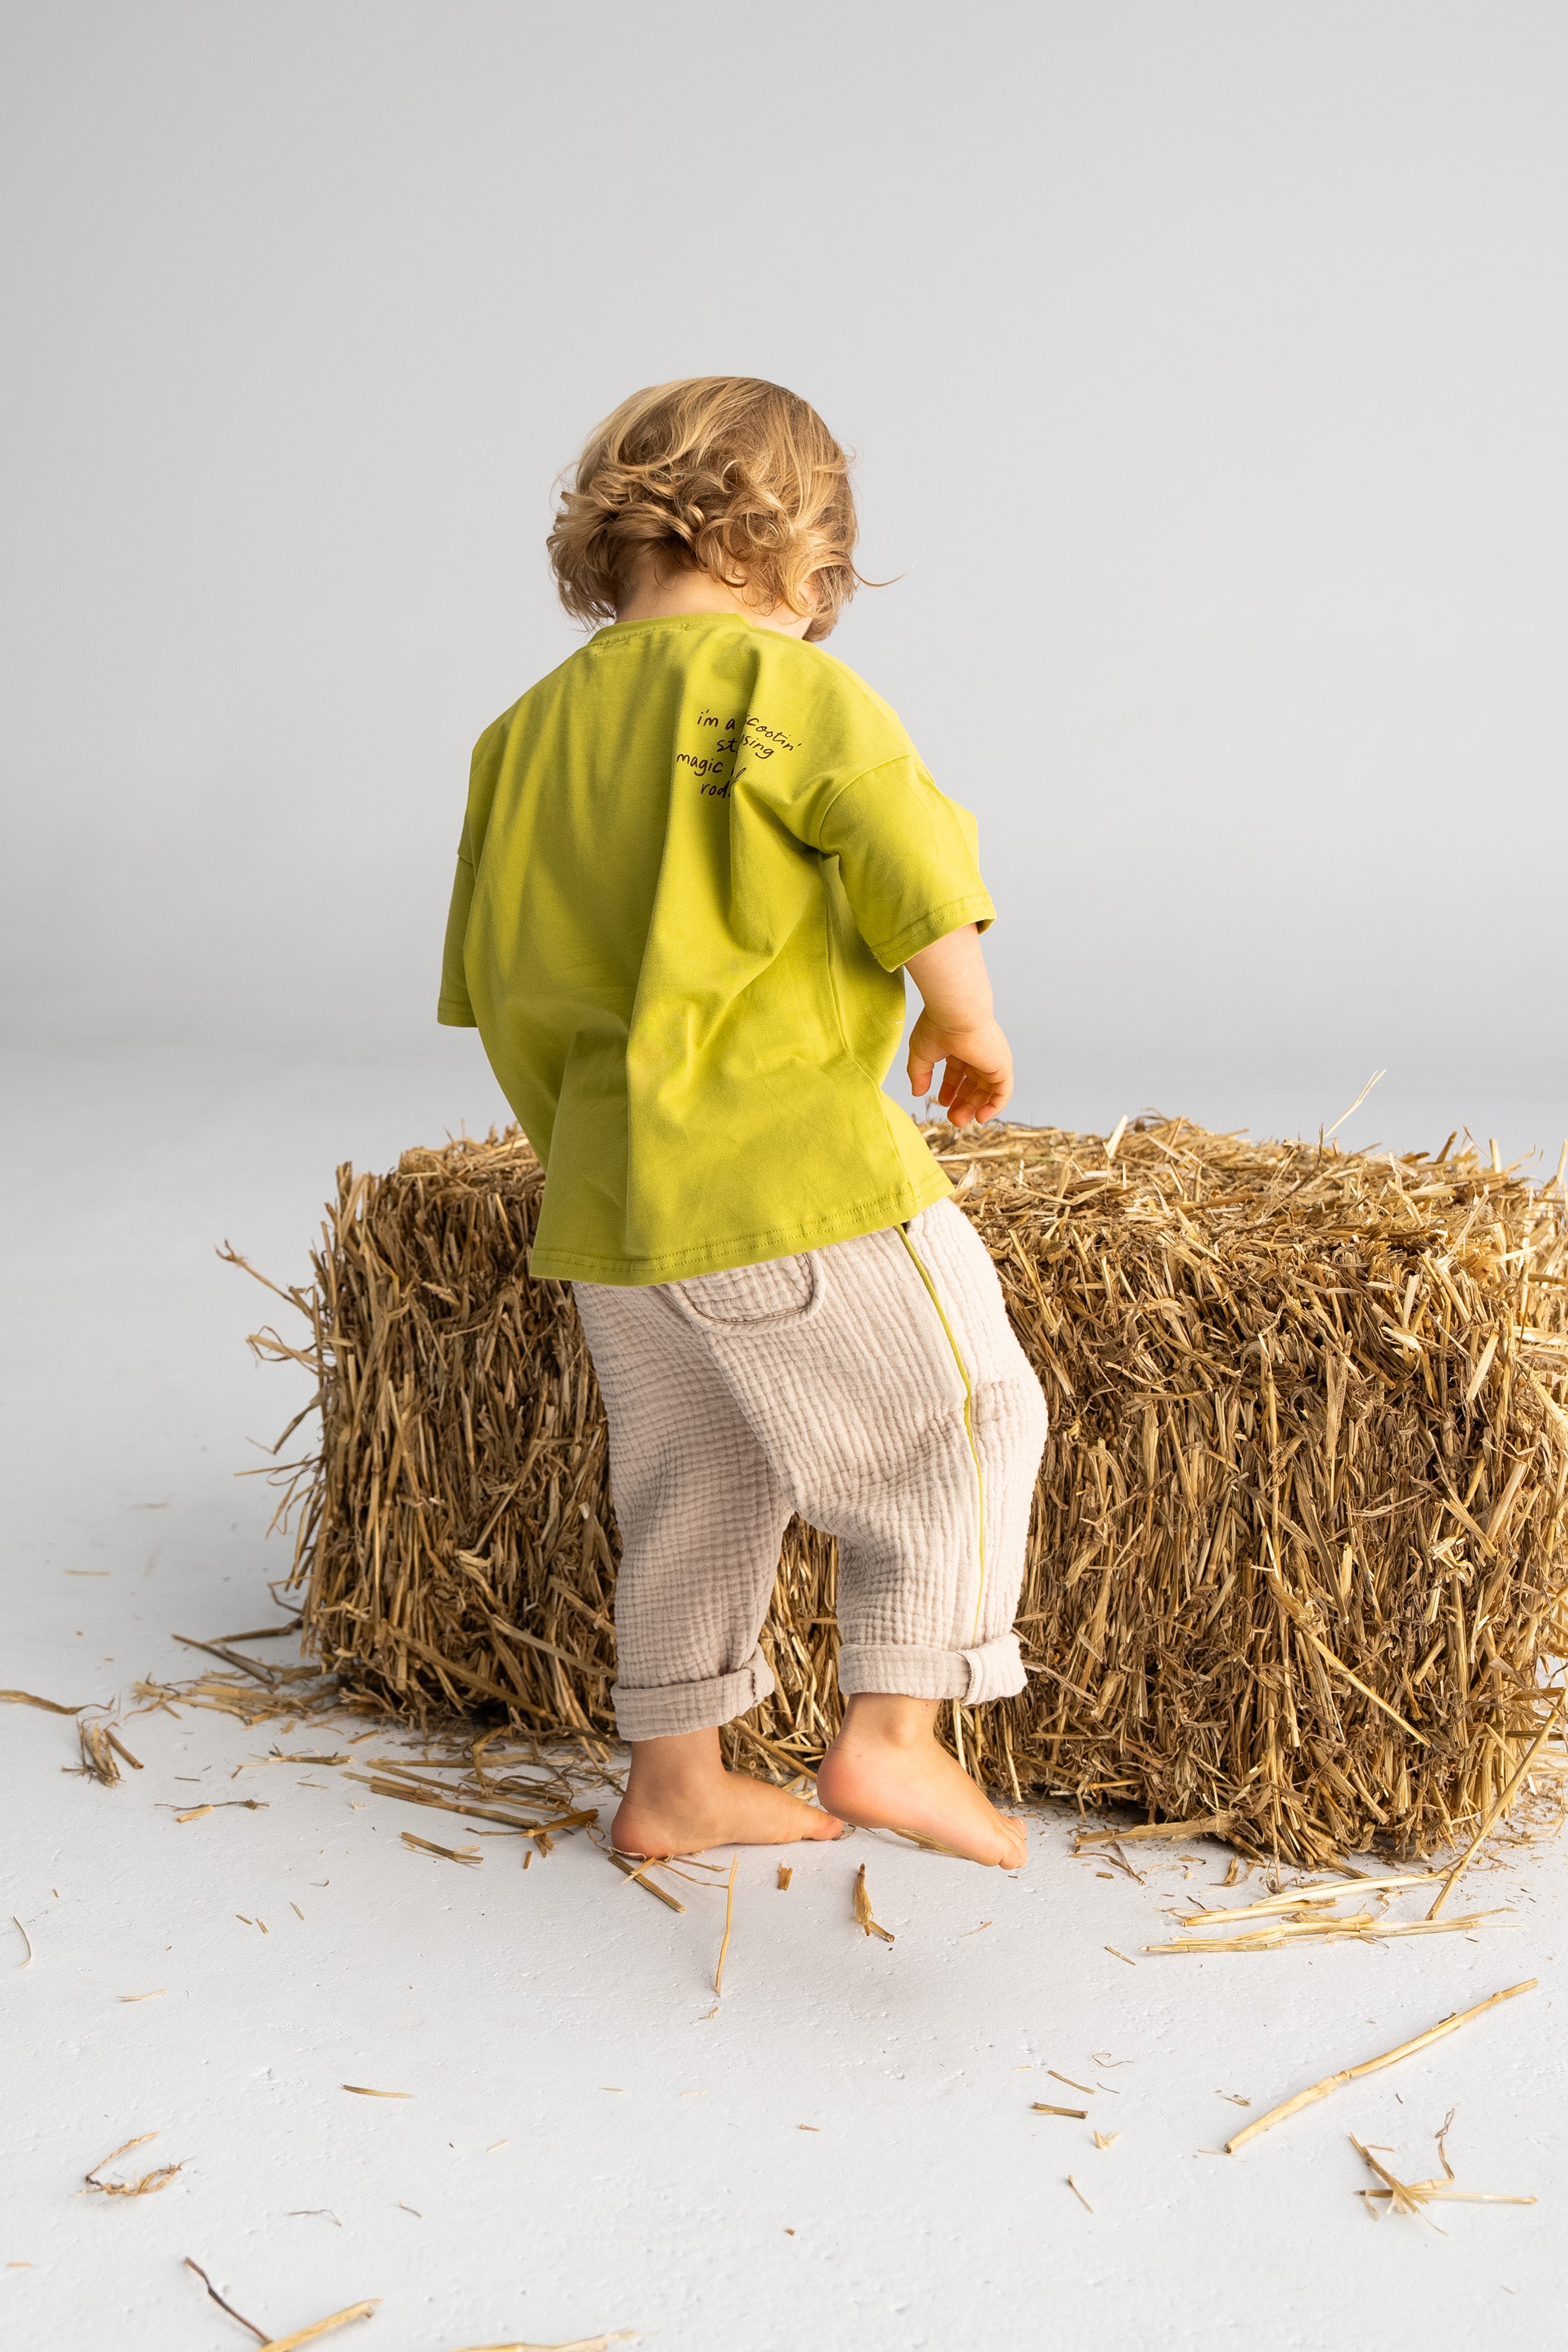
{"points": [[259, 2333], [863, 1920], [97, 1758], [1350, 1881], [635, 1877], [1371, 2065], [360, 2092], [1299, 1905], [1433, 2192], [729, 1921], [49, 1705], [321, 2327], [1362, 1929], [467, 1853], [149, 2182], [25, 1938], [1075, 2114], [578, 2343], [1205, 1825], [1357, 1929], [634, 1870], [1413, 2196], [1406, 2200], [226, 1804], [1531, 1753], [414, 1795]]}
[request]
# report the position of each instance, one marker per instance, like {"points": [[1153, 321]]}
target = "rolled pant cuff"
{"points": [[691, 1706], [993, 1670]]}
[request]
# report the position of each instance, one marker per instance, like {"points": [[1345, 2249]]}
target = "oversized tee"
{"points": [[694, 859]]}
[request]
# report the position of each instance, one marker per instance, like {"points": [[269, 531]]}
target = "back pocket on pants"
{"points": [[754, 1297]]}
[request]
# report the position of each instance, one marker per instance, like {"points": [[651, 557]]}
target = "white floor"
{"points": [[586, 2148]]}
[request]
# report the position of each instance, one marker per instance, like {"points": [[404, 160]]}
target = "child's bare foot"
{"points": [[680, 1799], [886, 1771]]}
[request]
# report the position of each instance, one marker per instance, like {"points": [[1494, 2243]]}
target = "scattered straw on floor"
{"points": [[1373, 2066], [1298, 1545], [27, 1698], [578, 2343], [1361, 1929], [1303, 1899], [146, 2184], [321, 2327], [863, 1919], [638, 1872], [98, 1760], [259, 2333], [223, 1805], [469, 1854], [1412, 2197], [728, 1922]]}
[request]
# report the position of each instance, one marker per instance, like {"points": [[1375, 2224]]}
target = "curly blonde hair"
{"points": [[724, 474]]}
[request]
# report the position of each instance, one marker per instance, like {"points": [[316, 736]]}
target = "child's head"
{"points": [[723, 474]]}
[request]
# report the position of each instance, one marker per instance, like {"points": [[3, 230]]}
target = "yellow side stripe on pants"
{"points": [[968, 1417]]}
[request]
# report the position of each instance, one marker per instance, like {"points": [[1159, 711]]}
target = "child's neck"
{"points": [[657, 592]]}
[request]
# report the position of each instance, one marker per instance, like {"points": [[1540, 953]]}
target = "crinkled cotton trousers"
{"points": [[873, 1387]]}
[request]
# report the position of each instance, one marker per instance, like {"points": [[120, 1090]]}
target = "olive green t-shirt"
{"points": [[695, 857]]}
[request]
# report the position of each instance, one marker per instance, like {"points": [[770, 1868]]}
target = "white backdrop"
{"points": [[1207, 363]]}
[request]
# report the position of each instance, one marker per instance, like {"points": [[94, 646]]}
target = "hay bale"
{"points": [[1298, 1552]]}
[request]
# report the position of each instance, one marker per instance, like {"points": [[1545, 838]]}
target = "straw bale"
{"points": [[1298, 1552]]}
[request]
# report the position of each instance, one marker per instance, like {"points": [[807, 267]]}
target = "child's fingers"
{"points": [[968, 1092], [969, 1097], [979, 1088], [998, 1088]]}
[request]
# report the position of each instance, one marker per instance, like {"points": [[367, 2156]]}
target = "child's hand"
{"points": [[957, 1027], [978, 1074]]}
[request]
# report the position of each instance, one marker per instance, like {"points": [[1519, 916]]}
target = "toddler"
{"points": [[698, 859]]}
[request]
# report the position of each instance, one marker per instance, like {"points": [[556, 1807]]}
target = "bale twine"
{"points": [[1298, 1549]]}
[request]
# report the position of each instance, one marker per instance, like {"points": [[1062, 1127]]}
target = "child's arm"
{"points": [[958, 1027]]}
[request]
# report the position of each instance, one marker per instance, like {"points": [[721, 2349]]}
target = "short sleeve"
{"points": [[454, 1011], [908, 859]]}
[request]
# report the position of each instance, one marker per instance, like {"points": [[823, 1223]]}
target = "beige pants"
{"points": [[873, 1387]]}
